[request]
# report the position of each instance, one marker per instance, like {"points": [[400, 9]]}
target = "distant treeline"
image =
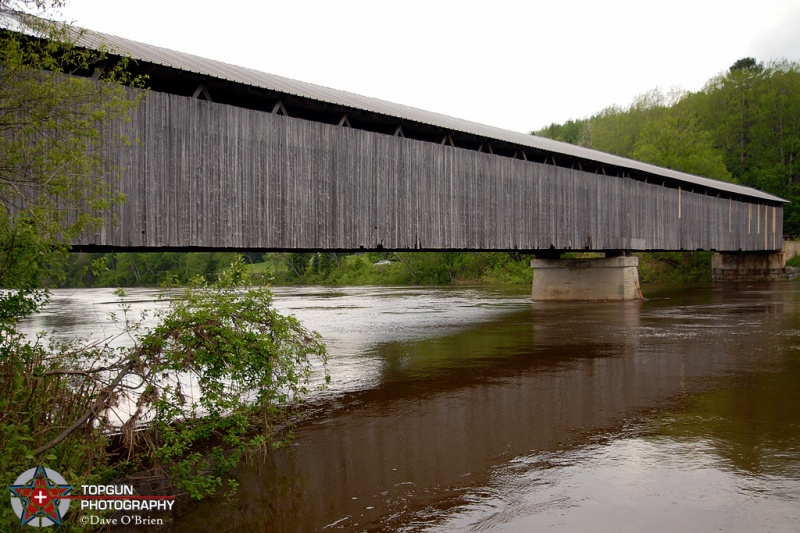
{"points": [[368, 268], [376, 268], [150, 269], [743, 126]]}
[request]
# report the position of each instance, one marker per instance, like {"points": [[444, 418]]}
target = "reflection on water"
{"points": [[474, 409]]}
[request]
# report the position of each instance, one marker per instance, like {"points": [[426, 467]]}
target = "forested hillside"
{"points": [[743, 126]]}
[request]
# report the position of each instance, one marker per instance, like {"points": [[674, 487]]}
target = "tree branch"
{"points": [[104, 395]]}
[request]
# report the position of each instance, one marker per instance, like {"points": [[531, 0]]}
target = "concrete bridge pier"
{"points": [[611, 278], [749, 266]]}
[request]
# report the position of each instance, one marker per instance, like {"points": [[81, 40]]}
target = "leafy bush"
{"points": [[216, 376]]}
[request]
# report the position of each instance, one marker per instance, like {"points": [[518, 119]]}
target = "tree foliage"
{"points": [[213, 377], [52, 176], [676, 140]]}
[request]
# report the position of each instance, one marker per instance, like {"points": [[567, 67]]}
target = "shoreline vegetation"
{"points": [[338, 269]]}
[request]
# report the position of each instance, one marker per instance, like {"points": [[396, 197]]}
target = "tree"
{"points": [[249, 364], [52, 184], [52, 187], [747, 63], [753, 114], [675, 140], [569, 132]]}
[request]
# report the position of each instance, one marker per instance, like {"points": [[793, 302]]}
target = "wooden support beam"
{"points": [[279, 109], [398, 132], [343, 122], [98, 71], [201, 89]]}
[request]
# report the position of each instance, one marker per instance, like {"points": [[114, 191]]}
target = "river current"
{"points": [[474, 409]]}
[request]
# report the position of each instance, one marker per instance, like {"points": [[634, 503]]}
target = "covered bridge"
{"points": [[231, 158]]}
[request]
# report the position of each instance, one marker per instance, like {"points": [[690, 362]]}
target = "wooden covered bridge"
{"points": [[233, 159]]}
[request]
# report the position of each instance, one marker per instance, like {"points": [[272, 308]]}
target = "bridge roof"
{"points": [[241, 75]]}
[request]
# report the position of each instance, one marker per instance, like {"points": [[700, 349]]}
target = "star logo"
{"points": [[37, 497]]}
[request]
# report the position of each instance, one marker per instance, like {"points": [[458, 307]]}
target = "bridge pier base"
{"points": [[594, 280], [738, 266]]}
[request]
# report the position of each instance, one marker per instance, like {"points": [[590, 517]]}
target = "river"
{"points": [[474, 409]]}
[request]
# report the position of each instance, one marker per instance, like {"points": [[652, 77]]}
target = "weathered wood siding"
{"points": [[217, 176]]}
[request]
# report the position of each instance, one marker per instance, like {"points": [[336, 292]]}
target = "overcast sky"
{"points": [[518, 65]]}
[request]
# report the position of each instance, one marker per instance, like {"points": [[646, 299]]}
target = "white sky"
{"points": [[518, 65]]}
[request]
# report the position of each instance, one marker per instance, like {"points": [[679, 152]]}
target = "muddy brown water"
{"points": [[473, 409]]}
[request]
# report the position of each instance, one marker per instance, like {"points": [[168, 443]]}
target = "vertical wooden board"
{"points": [[391, 173], [205, 178], [345, 191], [259, 223], [283, 177], [415, 190], [493, 226], [536, 214], [354, 211], [362, 214], [372, 227], [445, 169], [487, 203], [382, 179], [461, 200], [398, 189], [319, 193], [182, 129]]}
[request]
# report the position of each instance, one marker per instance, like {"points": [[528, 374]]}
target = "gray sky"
{"points": [[518, 65]]}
